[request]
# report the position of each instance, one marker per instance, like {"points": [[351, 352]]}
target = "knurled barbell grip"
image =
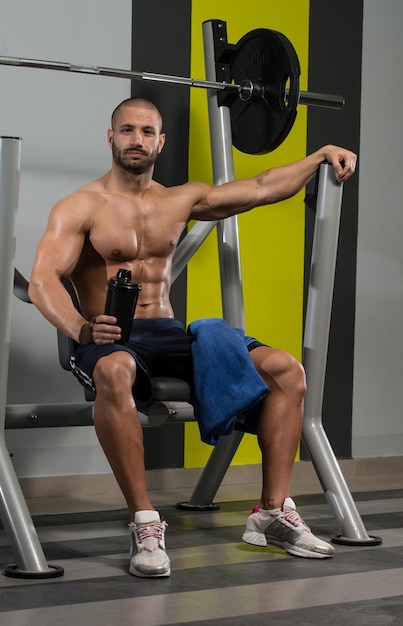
{"points": [[117, 73]]}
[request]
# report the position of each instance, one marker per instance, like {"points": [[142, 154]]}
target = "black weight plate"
{"points": [[266, 58]]}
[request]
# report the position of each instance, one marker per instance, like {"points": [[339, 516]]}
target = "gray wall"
{"points": [[377, 407], [62, 119]]}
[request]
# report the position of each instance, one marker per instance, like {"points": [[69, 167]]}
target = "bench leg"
{"points": [[213, 474], [14, 513], [13, 509]]}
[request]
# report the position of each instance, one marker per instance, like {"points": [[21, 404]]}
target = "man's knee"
{"points": [[114, 373], [291, 373], [281, 368], [298, 376]]}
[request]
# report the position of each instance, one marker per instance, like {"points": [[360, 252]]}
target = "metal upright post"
{"points": [[223, 172], [230, 273], [316, 337], [30, 560]]}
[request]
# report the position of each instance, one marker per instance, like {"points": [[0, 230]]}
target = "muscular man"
{"points": [[127, 220]]}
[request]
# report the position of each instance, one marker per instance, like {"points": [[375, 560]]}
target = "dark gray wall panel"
{"points": [[335, 52], [161, 44]]}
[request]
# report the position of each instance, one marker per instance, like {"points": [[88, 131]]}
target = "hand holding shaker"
{"points": [[121, 300]]}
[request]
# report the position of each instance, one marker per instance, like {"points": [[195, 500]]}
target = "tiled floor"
{"points": [[216, 579]]}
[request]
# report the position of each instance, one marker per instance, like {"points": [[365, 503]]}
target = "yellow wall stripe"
{"points": [[271, 238]]}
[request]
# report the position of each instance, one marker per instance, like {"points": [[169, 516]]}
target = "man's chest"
{"points": [[127, 235]]}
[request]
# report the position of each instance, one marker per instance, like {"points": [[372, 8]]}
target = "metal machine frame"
{"points": [[30, 560]]}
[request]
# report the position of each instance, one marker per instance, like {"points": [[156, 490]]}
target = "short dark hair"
{"points": [[136, 101]]}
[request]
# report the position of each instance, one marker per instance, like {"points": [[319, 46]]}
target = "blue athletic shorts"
{"points": [[160, 347]]}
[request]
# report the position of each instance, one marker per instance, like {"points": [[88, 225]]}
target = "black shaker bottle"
{"points": [[121, 300]]}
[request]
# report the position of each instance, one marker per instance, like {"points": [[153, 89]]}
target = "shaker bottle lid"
{"points": [[123, 279], [124, 276]]}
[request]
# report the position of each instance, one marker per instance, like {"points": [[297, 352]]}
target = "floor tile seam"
{"points": [[335, 582], [313, 510], [378, 495], [116, 515], [224, 522], [322, 512], [181, 551], [57, 537], [106, 562], [199, 605], [302, 499], [123, 575]]}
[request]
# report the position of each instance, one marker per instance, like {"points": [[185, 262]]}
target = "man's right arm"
{"points": [[57, 255]]}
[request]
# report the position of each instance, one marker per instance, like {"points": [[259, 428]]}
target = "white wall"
{"points": [[62, 119], [378, 370]]}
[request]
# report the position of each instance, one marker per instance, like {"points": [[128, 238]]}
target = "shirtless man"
{"points": [[127, 220]]}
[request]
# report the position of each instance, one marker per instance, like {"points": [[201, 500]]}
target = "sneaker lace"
{"points": [[149, 534], [292, 516]]}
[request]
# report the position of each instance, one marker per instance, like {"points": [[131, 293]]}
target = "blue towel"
{"points": [[226, 382]]}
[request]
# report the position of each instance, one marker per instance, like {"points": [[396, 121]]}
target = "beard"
{"points": [[123, 159]]}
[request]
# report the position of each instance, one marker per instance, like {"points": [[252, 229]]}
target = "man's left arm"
{"points": [[271, 186]]}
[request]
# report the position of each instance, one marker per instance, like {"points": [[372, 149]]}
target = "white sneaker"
{"points": [[148, 556], [284, 528]]}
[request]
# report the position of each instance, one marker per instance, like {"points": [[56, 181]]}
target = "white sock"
{"points": [[268, 512], [288, 502], [142, 517]]}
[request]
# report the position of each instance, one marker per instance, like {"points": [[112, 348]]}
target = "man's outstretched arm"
{"points": [[274, 185]]}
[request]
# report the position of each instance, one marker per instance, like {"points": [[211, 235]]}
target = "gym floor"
{"points": [[216, 579]]}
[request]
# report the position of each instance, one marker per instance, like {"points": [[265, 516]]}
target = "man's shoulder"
{"points": [[93, 188], [79, 206], [90, 194], [187, 194], [181, 198]]}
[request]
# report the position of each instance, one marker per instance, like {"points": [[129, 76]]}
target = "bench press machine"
{"points": [[29, 557]]}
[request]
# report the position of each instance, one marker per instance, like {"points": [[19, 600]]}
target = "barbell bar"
{"points": [[243, 90], [257, 79]]}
